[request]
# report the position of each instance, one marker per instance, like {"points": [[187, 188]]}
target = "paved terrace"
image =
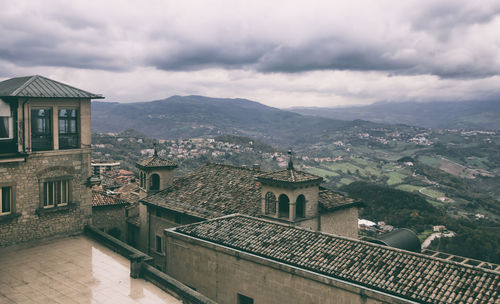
{"points": [[72, 270]]}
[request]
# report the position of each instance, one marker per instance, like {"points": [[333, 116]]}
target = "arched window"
{"points": [[300, 206], [270, 203], [283, 206], [155, 182]]}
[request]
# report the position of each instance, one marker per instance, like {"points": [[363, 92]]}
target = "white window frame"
{"points": [[56, 193]]}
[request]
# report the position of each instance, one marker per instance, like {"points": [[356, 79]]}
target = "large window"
{"points": [[68, 130], [6, 199], [6, 121], [56, 193], [41, 129]]}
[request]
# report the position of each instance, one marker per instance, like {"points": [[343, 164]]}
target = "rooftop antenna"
{"points": [[290, 161]]}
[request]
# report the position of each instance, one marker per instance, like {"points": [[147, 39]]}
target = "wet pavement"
{"points": [[72, 270]]}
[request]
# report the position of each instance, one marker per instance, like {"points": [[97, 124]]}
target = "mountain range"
{"points": [[198, 116], [476, 115]]}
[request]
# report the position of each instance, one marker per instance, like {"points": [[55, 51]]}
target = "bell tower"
{"points": [[290, 195], [155, 174]]}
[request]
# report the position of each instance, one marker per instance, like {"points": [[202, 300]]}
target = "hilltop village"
{"points": [[218, 234]]}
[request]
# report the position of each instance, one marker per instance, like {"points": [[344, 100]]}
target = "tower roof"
{"points": [[290, 178], [155, 162], [41, 87]]}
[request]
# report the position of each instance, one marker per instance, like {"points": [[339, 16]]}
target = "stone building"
{"points": [[45, 146], [242, 259], [215, 190], [109, 214]]}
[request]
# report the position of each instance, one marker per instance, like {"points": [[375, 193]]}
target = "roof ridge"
{"points": [[29, 81], [233, 166]]}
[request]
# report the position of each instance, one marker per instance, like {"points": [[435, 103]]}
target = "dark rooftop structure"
{"points": [[404, 274], [211, 191], [41, 87], [401, 238]]}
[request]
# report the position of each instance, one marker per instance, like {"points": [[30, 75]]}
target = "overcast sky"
{"points": [[280, 53]]}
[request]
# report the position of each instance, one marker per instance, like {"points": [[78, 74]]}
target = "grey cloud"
{"points": [[194, 57], [422, 38], [448, 15]]}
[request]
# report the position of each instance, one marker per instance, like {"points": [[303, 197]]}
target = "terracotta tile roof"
{"points": [[330, 200], [290, 176], [401, 273], [100, 199], [129, 192], [155, 162], [211, 191]]}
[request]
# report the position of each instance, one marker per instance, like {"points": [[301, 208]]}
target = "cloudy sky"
{"points": [[280, 53]]}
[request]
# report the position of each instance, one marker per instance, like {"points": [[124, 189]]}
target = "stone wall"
{"points": [[111, 219], [159, 221], [29, 221], [342, 222], [222, 273]]}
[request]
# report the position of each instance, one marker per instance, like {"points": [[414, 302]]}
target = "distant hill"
{"points": [[198, 116], [477, 115]]}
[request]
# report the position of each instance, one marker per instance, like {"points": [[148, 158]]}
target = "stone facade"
{"points": [[29, 220], [223, 274], [340, 222], [159, 220], [45, 159], [111, 219]]}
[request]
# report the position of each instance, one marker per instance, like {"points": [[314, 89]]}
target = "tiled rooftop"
{"points": [[103, 199], [330, 200], [72, 270], [156, 162], [214, 190], [408, 275], [290, 176], [211, 191]]}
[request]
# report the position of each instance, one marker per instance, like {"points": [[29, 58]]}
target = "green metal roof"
{"points": [[41, 87]]}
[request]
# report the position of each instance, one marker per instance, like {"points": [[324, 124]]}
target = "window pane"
{"points": [[5, 127], [6, 199], [58, 191], [68, 130], [50, 195], [64, 192], [158, 244], [41, 130]]}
